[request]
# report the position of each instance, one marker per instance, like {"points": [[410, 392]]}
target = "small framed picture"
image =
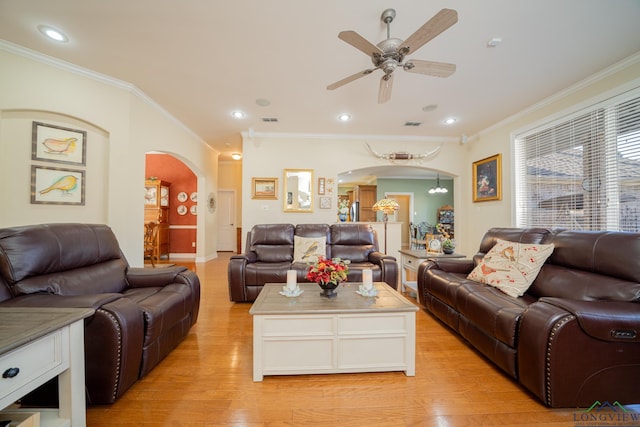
{"points": [[58, 144], [56, 186], [264, 188], [325, 202], [321, 186], [487, 179]]}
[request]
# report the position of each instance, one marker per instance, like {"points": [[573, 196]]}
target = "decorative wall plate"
{"points": [[182, 210], [194, 197], [193, 209], [182, 197], [211, 202]]}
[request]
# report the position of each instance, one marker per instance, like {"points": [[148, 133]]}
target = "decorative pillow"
{"points": [[511, 266], [308, 249]]}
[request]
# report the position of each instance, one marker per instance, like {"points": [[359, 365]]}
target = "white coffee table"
{"points": [[310, 334]]}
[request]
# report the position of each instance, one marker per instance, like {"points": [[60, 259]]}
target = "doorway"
{"points": [[403, 214], [226, 221]]}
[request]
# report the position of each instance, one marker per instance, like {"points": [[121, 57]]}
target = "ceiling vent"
{"points": [[412, 123], [269, 119]]}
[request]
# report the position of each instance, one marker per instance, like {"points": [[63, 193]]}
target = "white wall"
{"points": [[480, 216], [122, 125], [268, 155]]}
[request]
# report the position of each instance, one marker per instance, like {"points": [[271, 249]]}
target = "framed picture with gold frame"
{"points": [[264, 188], [487, 179]]}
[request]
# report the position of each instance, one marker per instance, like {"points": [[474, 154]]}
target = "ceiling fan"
{"points": [[390, 53]]}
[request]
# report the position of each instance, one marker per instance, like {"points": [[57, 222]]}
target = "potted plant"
{"points": [[448, 244]]}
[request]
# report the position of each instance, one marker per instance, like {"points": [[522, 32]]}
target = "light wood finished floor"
{"points": [[207, 381]]}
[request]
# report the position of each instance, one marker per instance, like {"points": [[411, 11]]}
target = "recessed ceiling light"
{"points": [[236, 156], [238, 114], [344, 117], [493, 42], [449, 121], [53, 34]]}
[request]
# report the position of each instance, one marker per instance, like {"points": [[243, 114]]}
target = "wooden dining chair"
{"points": [[151, 242]]}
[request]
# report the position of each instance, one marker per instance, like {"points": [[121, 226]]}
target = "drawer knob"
{"points": [[11, 372]]}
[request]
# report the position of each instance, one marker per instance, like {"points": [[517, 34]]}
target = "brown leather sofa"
{"points": [[269, 254], [574, 337], [141, 314]]}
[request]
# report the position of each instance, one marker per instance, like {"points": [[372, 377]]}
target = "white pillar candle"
{"points": [[291, 279], [367, 278]]}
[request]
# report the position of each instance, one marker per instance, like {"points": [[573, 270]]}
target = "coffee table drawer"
{"points": [[307, 326]]}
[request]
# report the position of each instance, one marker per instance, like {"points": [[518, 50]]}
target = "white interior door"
{"points": [[226, 220]]}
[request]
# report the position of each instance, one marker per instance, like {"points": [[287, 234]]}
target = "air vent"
{"points": [[269, 119], [412, 123]]}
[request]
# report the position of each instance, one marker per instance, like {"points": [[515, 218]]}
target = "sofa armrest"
{"points": [[248, 257], [236, 276], [388, 265], [152, 277], [113, 339], [604, 320], [451, 265], [377, 257], [550, 337]]}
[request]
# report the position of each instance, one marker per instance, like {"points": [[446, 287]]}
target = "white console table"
{"points": [[38, 344]]}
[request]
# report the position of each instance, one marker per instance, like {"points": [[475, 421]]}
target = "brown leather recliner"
{"points": [[270, 249], [140, 314], [573, 338]]}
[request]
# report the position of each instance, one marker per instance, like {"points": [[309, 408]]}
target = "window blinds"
{"points": [[582, 172]]}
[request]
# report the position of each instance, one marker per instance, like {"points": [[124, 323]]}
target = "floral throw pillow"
{"points": [[308, 249], [511, 267]]}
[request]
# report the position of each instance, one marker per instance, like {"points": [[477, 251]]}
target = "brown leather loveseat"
{"points": [[270, 250], [141, 314], [573, 337]]}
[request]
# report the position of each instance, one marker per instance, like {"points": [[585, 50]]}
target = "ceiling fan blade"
{"points": [[430, 68], [434, 26], [359, 42], [386, 83], [349, 79]]}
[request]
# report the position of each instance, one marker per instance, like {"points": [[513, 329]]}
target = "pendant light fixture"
{"points": [[437, 189]]}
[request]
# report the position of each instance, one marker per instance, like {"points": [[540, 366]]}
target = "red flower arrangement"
{"points": [[326, 270]]}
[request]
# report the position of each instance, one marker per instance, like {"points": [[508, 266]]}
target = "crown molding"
{"points": [[334, 136], [582, 84], [98, 77]]}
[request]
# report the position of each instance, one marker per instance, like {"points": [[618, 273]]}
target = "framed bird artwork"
{"points": [[59, 144], [57, 186]]}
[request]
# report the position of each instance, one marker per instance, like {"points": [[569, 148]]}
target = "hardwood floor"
{"points": [[207, 381]]}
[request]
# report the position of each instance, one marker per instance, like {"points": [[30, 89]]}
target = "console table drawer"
{"points": [[32, 361]]}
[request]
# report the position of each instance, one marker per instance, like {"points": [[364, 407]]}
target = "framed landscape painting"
{"points": [[264, 188], [487, 179]]}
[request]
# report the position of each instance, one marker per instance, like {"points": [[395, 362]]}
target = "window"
{"points": [[582, 172]]}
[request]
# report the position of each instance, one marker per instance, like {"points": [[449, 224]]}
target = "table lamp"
{"points": [[386, 206]]}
